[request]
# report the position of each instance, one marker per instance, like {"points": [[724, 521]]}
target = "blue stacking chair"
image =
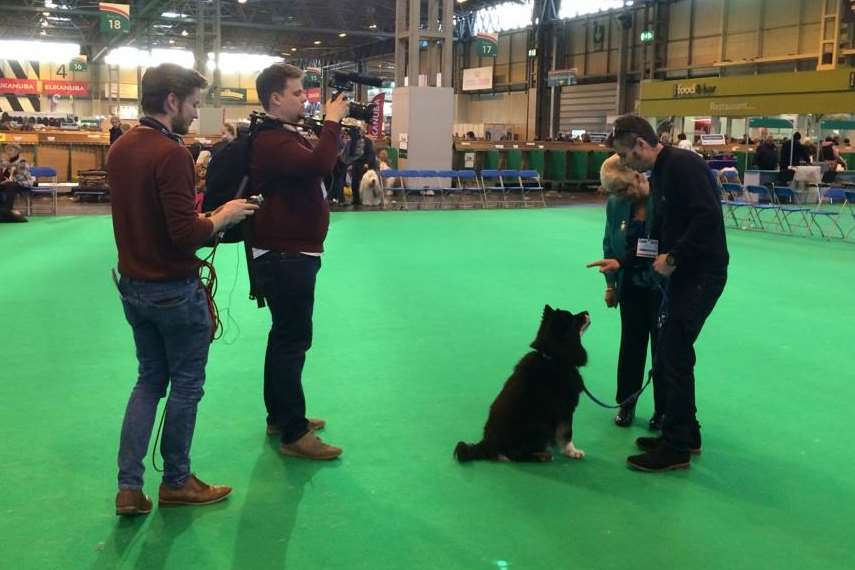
{"points": [[762, 193], [530, 181], [495, 184], [832, 216], [446, 190], [736, 202], [789, 207], [849, 206], [512, 183], [40, 172], [384, 182], [427, 190], [468, 182], [404, 187]]}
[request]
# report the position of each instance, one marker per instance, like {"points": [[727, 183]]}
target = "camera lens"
{"points": [[361, 112]]}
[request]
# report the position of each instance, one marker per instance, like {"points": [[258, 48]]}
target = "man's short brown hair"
{"points": [[158, 82], [629, 128], [273, 79]]}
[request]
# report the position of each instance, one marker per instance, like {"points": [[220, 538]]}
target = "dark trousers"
{"points": [[287, 281], [691, 299], [8, 192], [639, 309]]}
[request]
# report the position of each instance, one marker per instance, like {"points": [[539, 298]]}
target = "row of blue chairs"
{"points": [[782, 209], [501, 188]]}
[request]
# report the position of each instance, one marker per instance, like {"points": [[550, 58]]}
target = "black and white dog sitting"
{"points": [[534, 411]]}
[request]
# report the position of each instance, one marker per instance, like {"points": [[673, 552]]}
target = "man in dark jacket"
{"points": [[288, 239], [766, 156], [794, 153], [693, 255]]}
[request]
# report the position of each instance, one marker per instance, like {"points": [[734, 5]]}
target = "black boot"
{"points": [[663, 458], [655, 423], [652, 443], [625, 416]]}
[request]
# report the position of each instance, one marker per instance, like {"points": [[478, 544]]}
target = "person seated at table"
{"points": [[15, 178]]}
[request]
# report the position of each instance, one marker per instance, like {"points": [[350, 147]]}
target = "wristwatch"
{"points": [[670, 261]]}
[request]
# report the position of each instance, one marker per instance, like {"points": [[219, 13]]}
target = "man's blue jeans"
{"points": [[172, 331]]}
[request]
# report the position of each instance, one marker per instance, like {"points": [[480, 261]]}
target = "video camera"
{"points": [[343, 82]]}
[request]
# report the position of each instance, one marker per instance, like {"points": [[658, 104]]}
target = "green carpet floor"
{"points": [[419, 319]]}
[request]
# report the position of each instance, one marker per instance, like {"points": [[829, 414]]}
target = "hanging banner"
{"points": [[228, 95], [487, 45], [73, 88], [115, 18], [375, 128], [477, 78], [313, 94], [18, 86]]}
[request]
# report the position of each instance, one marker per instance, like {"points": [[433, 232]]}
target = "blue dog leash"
{"points": [[661, 317]]}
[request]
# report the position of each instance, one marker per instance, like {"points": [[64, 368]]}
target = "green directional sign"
{"points": [[487, 45], [78, 65], [115, 18]]}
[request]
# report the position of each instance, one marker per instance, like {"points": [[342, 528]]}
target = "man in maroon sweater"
{"points": [[288, 239], [157, 234]]}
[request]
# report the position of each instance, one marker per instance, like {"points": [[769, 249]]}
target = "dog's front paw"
{"points": [[573, 453]]}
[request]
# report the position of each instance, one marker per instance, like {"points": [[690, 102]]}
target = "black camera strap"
{"points": [[161, 128]]}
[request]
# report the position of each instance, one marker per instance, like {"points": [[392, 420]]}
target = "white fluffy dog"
{"points": [[370, 190]]}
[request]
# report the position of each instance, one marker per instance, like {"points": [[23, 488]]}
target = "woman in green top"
{"points": [[630, 282]]}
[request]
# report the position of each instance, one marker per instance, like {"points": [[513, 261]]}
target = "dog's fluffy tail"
{"points": [[472, 452]]}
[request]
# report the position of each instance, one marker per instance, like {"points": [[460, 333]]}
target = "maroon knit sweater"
{"points": [[156, 227], [288, 172]]}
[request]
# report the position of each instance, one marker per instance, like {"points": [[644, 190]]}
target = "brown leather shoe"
{"points": [[310, 446], [130, 502], [314, 425], [194, 492]]}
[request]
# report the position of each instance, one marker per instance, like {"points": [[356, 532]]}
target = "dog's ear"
{"points": [[547, 310]]}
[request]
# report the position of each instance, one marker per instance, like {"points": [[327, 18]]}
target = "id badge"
{"points": [[647, 248]]}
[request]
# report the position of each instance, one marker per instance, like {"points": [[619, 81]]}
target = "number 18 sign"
{"points": [[115, 18]]}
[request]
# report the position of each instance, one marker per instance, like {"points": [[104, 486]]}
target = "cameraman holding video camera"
{"points": [[287, 236]]}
